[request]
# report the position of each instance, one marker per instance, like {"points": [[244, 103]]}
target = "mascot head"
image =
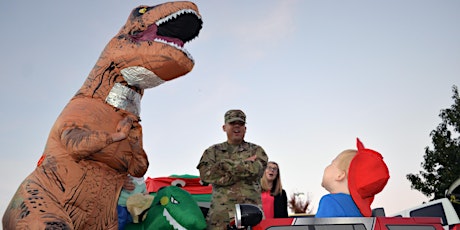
{"points": [[172, 208], [147, 51]]}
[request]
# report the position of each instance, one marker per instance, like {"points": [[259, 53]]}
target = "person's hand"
{"points": [[123, 128], [128, 184], [252, 158]]}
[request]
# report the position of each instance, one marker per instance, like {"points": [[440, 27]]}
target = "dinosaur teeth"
{"points": [[175, 46], [172, 221], [175, 15], [168, 43]]}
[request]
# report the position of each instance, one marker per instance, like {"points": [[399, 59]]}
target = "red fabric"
{"points": [[192, 185], [268, 204]]}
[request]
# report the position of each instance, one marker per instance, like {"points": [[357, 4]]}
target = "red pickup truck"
{"points": [[250, 217], [352, 223], [442, 214]]}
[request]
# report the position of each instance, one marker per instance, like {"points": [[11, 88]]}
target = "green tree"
{"points": [[442, 163]]}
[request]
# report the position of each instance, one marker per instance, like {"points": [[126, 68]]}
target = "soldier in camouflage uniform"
{"points": [[234, 169]]}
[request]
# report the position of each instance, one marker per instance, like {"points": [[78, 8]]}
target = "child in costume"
{"points": [[124, 216], [353, 179]]}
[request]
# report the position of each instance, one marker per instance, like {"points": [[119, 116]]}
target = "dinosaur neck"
{"points": [[120, 87], [123, 97]]}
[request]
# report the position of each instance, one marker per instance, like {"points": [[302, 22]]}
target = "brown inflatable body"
{"points": [[97, 139]]}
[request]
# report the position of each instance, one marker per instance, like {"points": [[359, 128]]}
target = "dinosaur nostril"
{"points": [[164, 200]]}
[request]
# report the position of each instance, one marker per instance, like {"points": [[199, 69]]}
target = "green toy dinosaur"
{"points": [[172, 208]]}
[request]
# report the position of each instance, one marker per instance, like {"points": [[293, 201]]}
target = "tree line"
{"points": [[441, 165]]}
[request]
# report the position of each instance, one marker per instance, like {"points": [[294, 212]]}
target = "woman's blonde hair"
{"points": [[277, 187]]}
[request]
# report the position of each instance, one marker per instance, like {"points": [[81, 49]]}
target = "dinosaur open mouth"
{"points": [[177, 28], [184, 25]]}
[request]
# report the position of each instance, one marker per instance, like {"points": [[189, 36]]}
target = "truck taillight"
{"points": [[455, 227]]}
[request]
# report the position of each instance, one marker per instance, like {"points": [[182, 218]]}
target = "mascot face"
{"points": [[174, 208], [154, 38], [146, 52]]}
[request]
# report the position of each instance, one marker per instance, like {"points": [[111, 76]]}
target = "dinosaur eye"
{"points": [[134, 33], [142, 10], [178, 183], [174, 201]]}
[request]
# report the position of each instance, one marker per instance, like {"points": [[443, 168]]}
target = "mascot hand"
{"points": [[123, 128], [135, 134]]}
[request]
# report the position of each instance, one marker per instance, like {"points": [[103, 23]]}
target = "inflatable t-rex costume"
{"points": [[97, 139]]}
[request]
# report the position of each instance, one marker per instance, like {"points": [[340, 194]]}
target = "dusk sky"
{"points": [[311, 76]]}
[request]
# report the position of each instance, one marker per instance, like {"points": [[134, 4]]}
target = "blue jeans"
{"points": [[123, 217]]}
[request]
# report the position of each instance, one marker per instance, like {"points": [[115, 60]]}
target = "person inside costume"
{"points": [[274, 198], [97, 139], [234, 169], [124, 216], [353, 179]]}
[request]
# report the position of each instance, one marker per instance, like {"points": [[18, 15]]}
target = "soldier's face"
{"points": [[235, 131]]}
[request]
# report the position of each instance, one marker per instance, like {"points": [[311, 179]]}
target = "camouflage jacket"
{"points": [[234, 180]]}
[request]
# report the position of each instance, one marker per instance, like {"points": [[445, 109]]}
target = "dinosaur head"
{"points": [[174, 208], [147, 51], [154, 37]]}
